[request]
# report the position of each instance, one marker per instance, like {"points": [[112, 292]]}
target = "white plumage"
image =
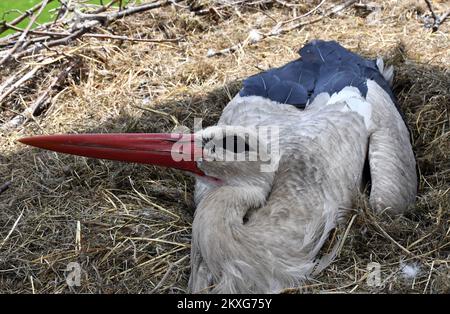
{"points": [[290, 212]]}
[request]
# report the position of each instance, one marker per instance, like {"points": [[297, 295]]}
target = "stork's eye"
{"points": [[236, 144]]}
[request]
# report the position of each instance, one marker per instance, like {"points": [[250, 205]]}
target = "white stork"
{"points": [[259, 230]]}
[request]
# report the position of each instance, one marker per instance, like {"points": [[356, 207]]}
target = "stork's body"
{"points": [[323, 149], [317, 178], [261, 231]]}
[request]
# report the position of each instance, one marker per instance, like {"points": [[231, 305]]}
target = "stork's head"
{"points": [[236, 155], [231, 155]]}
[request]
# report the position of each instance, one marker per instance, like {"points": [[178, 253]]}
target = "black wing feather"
{"points": [[323, 66]]}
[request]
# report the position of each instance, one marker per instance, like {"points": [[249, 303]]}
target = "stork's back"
{"points": [[323, 66]]}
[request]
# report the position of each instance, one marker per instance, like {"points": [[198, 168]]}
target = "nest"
{"points": [[128, 226]]}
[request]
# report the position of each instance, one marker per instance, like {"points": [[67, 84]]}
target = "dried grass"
{"points": [[135, 220]]}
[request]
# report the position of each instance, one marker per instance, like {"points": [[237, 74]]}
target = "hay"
{"points": [[134, 220]]}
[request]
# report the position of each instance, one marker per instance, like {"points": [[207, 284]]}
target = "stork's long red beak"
{"points": [[165, 149]]}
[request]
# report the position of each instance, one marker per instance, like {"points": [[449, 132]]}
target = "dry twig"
{"points": [[81, 24], [17, 84], [28, 13], [437, 20], [5, 186], [278, 31], [39, 104], [22, 38]]}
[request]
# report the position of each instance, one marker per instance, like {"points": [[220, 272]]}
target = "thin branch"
{"points": [[280, 31], [120, 14], [25, 32], [12, 229], [441, 20], [437, 20], [19, 82], [287, 4], [83, 24], [150, 40], [19, 19], [166, 275], [308, 13], [386, 235], [334, 10], [278, 26], [5, 186], [53, 43], [40, 103], [367, 6], [12, 37], [48, 34], [10, 80], [430, 7], [228, 5]]}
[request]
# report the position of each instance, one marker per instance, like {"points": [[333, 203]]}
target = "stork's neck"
{"points": [[225, 207], [230, 249], [218, 227]]}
